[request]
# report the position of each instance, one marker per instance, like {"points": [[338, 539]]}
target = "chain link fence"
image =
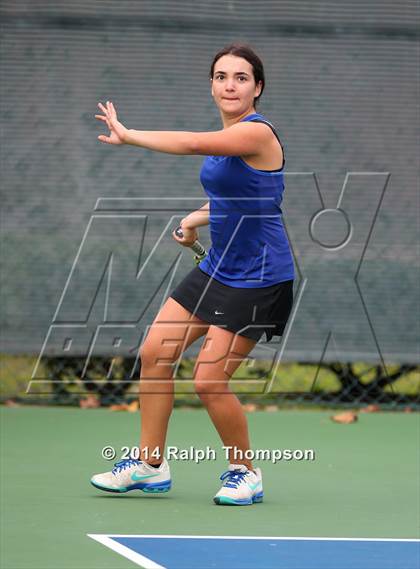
{"points": [[105, 382], [340, 86]]}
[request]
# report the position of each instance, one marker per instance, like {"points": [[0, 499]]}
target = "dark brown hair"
{"points": [[243, 50]]}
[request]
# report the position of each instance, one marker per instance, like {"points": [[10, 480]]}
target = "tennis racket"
{"points": [[197, 247]]}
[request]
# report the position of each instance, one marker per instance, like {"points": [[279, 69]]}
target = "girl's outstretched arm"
{"points": [[241, 139]]}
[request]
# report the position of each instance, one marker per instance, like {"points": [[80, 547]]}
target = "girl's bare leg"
{"points": [[221, 354], [172, 331]]}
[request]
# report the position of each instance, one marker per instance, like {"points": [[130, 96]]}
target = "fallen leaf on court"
{"points": [[249, 407], [370, 409], [11, 403], [89, 402], [271, 408], [345, 418], [122, 407], [408, 409]]}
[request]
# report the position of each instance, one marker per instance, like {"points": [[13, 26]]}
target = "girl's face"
{"points": [[233, 85]]}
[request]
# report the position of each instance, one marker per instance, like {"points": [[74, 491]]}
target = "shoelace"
{"points": [[123, 464], [233, 478]]}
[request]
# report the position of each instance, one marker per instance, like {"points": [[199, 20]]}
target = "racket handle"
{"points": [[197, 247]]}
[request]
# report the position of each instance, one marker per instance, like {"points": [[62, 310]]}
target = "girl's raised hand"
{"points": [[117, 131]]}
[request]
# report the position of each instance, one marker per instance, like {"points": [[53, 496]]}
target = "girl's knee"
{"points": [[152, 354], [209, 390]]}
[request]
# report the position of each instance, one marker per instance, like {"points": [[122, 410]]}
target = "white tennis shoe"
{"points": [[133, 474], [241, 487]]}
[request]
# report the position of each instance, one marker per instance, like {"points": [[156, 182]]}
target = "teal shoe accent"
{"points": [[157, 489], [144, 486], [136, 478], [224, 501]]}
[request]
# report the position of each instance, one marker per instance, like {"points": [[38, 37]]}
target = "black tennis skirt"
{"points": [[248, 312]]}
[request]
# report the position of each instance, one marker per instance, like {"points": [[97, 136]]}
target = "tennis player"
{"points": [[241, 290]]}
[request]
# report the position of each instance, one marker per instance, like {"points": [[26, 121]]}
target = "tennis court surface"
{"points": [[355, 506], [174, 552]]}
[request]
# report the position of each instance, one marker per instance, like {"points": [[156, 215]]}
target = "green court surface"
{"points": [[362, 483]]}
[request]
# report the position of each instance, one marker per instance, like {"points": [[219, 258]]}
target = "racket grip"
{"points": [[197, 247]]}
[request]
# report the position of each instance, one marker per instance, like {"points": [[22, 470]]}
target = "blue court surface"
{"points": [[226, 552]]}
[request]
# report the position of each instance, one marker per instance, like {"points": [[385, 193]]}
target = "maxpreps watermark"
{"points": [[208, 453]]}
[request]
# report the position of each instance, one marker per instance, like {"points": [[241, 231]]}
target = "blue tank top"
{"points": [[249, 244]]}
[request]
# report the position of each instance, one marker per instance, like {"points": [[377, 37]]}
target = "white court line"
{"points": [[126, 551], [142, 561], [302, 538]]}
